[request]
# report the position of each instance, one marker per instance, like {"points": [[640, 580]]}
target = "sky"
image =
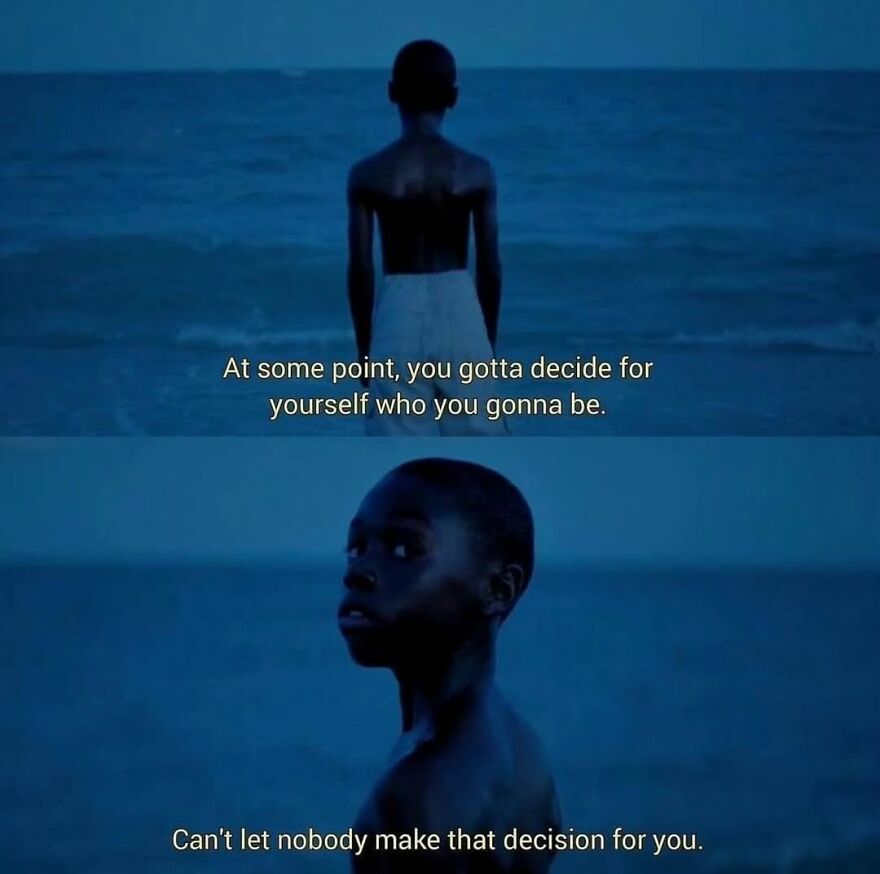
{"points": [[61, 35], [684, 502]]}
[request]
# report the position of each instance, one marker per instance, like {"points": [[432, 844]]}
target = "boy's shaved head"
{"points": [[423, 77], [437, 555], [492, 504]]}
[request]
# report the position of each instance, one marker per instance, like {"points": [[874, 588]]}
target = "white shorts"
{"points": [[430, 317]]}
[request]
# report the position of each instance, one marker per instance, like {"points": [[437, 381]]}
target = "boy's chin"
{"points": [[369, 654]]}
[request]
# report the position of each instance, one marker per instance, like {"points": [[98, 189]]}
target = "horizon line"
{"points": [[267, 561], [293, 69]]}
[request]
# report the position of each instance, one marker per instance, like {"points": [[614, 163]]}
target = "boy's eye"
{"points": [[354, 550], [408, 548]]}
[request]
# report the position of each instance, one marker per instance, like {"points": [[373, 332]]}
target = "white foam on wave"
{"points": [[848, 336], [228, 337], [842, 847]]}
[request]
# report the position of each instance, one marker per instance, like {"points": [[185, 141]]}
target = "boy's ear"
{"points": [[392, 92], [453, 96], [503, 591]]}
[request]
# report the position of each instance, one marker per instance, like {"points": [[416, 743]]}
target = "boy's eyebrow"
{"points": [[409, 515], [398, 515]]}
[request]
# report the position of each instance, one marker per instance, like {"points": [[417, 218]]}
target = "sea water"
{"points": [[739, 706], [725, 225]]}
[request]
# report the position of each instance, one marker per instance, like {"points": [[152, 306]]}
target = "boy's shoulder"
{"points": [[444, 781], [479, 168], [436, 787], [378, 165], [366, 168]]}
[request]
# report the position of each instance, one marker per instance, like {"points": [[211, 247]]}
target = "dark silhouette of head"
{"points": [[423, 78], [439, 554]]}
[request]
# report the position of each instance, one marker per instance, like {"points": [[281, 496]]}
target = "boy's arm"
{"points": [[360, 264], [488, 262]]}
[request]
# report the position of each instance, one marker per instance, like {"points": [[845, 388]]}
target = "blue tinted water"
{"points": [[726, 225], [737, 705]]}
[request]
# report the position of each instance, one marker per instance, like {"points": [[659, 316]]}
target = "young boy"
{"points": [[439, 553], [425, 192]]}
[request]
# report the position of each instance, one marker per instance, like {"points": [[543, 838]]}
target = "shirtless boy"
{"points": [[439, 553], [426, 192]]}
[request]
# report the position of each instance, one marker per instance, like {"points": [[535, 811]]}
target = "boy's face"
{"points": [[415, 580]]}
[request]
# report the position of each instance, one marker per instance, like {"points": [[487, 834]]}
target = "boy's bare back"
{"points": [[424, 191]]}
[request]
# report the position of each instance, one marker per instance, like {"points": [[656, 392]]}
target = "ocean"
{"points": [[737, 705], [725, 225]]}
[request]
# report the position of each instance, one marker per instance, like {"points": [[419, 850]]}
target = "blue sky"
{"points": [[701, 501], [124, 34]]}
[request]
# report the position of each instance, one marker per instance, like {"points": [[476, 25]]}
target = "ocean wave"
{"points": [[285, 140], [680, 246], [63, 338], [144, 275], [87, 156], [101, 249], [855, 853], [274, 197], [264, 166], [192, 290], [195, 337], [226, 338], [849, 336]]}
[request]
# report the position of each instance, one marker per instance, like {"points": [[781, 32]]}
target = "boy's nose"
{"points": [[360, 580]]}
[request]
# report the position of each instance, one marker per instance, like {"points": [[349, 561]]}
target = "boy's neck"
{"points": [[433, 691], [421, 124]]}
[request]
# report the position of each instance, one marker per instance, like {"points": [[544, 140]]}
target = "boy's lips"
{"points": [[352, 618]]}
